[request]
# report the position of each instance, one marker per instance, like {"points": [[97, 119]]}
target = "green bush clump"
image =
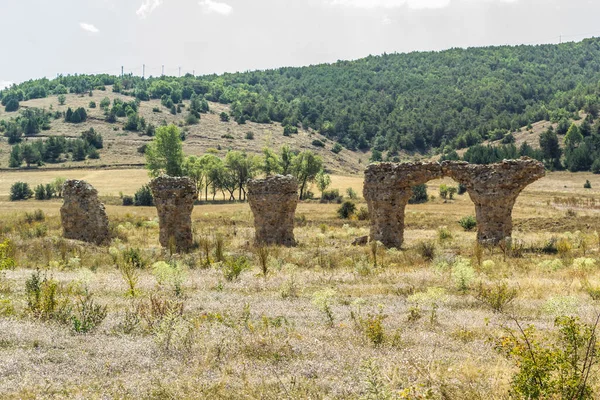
{"points": [[143, 197], [549, 366], [419, 194], [20, 191], [332, 195], [468, 223], [347, 209]]}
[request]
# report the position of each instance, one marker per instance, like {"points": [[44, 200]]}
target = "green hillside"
{"points": [[425, 102]]}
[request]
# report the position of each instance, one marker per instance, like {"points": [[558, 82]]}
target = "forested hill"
{"points": [[420, 101]]}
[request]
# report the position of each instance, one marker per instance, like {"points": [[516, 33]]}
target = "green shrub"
{"points": [[289, 129], [346, 210], [61, 99], [249, 135], [496, 296], [191, 119], [143, 197], [552, 367], [20, 191], [332, 195], [419, 194], [351, 193], [444, 233], [462, 274], [234, 266], [12, 105], [363, 214], [318, 143], [92, 104], [337, 148], [88, 315], [7, 255], [587, 184], [40, 192], [468, 223], [224, 117], [426, 250]]}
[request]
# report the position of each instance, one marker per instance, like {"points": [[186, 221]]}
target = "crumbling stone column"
{"points": [[273, 202], [494, 188], [174, 199], [82, 215], [387, 190]]}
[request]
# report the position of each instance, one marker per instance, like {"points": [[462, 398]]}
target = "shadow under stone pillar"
{"points": [[387, 190], [494, 188], [174, 198], [273, 202], [82, 215]]}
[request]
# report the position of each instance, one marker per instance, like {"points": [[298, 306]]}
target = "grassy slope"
{"points": [[120, 147]]}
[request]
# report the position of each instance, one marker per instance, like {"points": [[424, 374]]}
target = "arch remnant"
{"points": [[273, 202], [174, 198], [493, 188]]}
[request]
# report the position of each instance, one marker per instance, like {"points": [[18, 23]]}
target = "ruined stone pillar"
{"points": [[387, 190], [494, 188], [174, 198], [82, 215], [273, 202]]}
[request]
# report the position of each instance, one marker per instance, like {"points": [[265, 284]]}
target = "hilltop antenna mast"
{"points": [[121, 71]]}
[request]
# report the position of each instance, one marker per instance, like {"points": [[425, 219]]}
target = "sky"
{"points": [[215, 36]]}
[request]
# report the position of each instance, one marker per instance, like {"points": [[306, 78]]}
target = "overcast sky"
{"points": [[43, 38]]}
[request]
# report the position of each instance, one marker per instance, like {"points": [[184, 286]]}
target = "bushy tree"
{"points": [[165, 154], [270, 164], [305, 168]]}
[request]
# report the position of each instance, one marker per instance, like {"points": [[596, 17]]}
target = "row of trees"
{"points": [[228, 175]]}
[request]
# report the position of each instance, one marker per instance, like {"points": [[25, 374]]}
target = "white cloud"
{"points": [[413, 4], [386, 20], [88, 27], [147, 7], [211, 6], [5, 84]]}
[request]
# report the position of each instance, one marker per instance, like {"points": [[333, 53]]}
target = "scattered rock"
{"points": [[273, 202], [82, 215], [174, 198]]}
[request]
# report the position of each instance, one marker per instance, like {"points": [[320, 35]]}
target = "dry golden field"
{"points": [[322, 320]]}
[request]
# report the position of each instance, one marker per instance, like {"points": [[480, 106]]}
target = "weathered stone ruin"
{"points": [[273, 202], [174, 198], [82, 215], [493, 188]]}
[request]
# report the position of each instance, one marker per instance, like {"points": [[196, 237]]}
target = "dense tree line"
{"points": [[422, 101]]}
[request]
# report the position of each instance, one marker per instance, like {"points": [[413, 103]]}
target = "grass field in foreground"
{"points": [[322, 320]]}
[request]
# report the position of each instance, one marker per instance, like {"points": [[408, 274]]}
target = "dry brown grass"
{"points": [[269, 337]]}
